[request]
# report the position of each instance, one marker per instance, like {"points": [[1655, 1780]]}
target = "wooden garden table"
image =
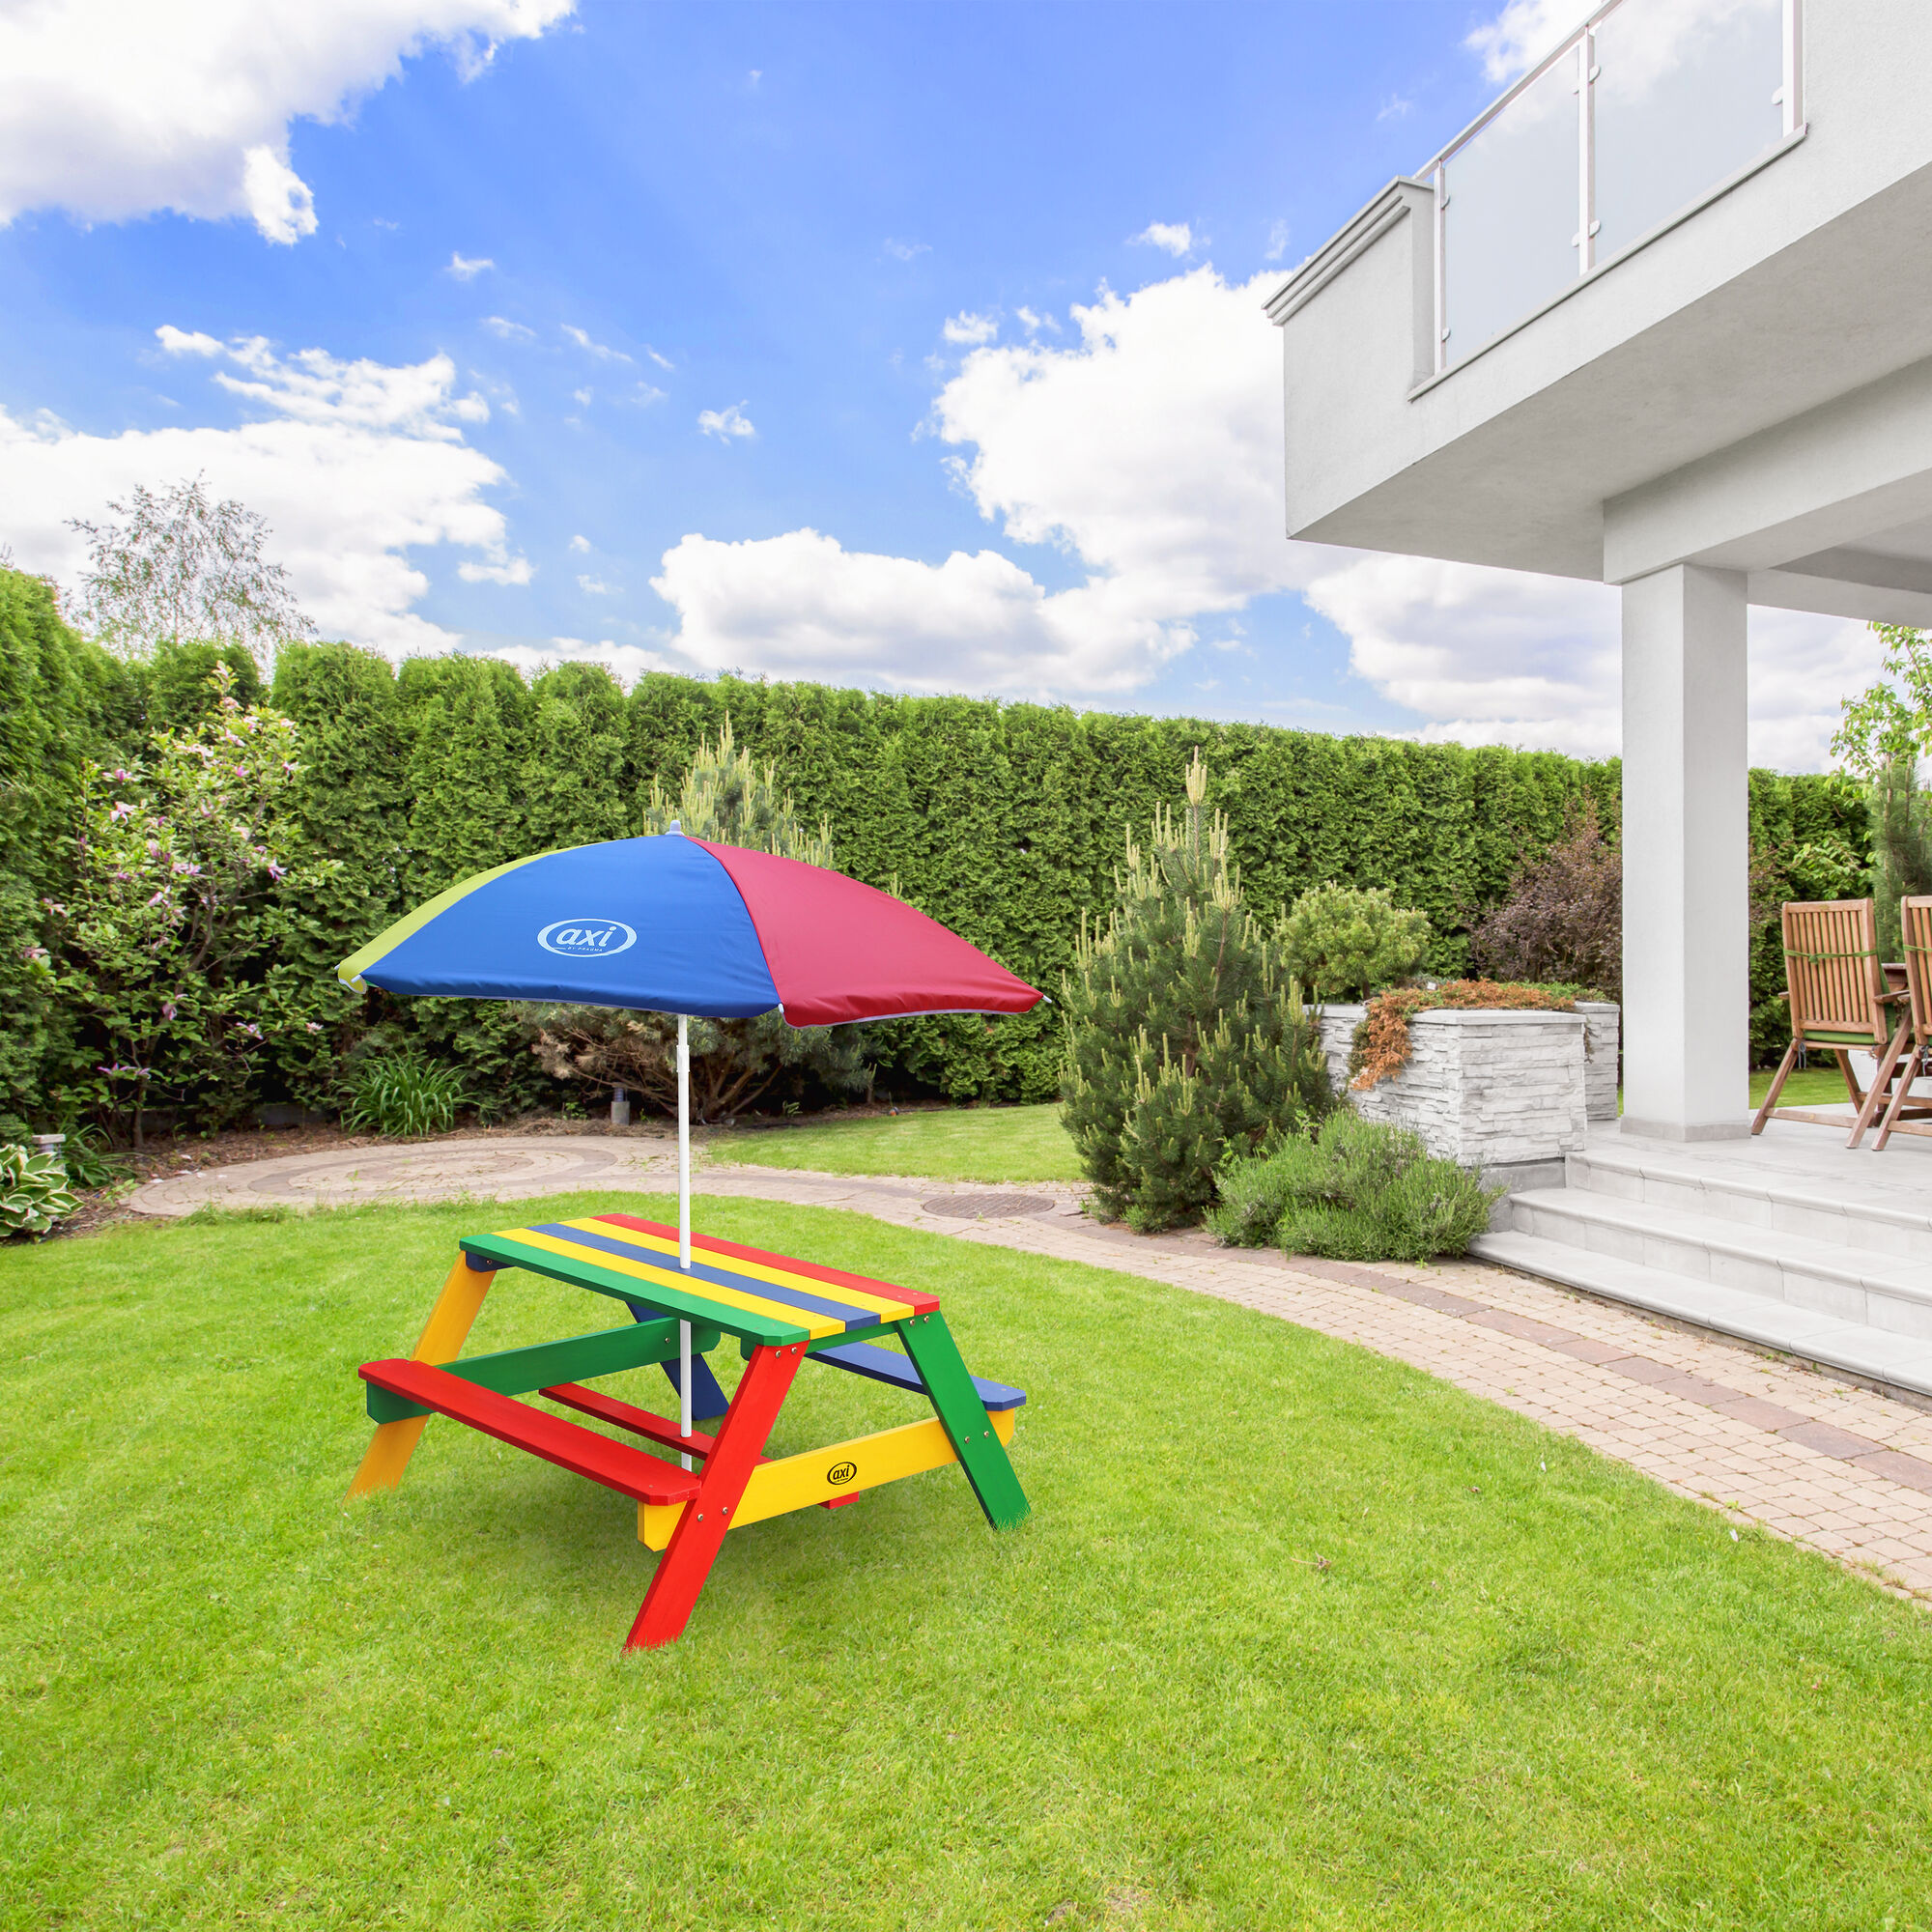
{"points": [[783, 1312]]}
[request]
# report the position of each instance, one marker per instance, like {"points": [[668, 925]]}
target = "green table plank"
{"points": [[683, 1303], [578, 1358]]}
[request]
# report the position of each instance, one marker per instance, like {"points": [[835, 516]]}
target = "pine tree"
{"points": [[1185, 1038]]}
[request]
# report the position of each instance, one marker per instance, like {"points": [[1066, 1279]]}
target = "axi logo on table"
{"points": [[586, 938]]}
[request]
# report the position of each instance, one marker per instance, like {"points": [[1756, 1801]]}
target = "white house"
{"points": [[1661, 317]]}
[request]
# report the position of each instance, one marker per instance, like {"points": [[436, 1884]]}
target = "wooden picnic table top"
{"points": [[767, 1299]]}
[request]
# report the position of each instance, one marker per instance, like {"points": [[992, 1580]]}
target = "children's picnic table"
{"points": [[783, 1313]]}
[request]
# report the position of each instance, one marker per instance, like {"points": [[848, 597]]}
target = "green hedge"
{"points": [[1003, 820]]}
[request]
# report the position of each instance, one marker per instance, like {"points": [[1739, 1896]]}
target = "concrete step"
{"points": [[1870, 1205], [1896, 1361], [1883, 1292]]}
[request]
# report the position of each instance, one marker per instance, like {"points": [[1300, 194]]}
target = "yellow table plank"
{"points": [[798, 1482], [885, 1308], [814, 1325]]}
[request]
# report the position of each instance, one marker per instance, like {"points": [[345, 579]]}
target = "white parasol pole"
{"points": [[683, 1221]]}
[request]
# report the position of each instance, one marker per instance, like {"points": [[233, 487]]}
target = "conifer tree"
{"points": [[466, 726], [1186, 1038], [729, 797], [573, 778]]}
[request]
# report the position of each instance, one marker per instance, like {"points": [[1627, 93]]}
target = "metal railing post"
{"points": [[1586, 150], [1791, 95], [1441, 271]]}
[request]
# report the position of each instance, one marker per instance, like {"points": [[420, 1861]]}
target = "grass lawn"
{"points": [[1295, 1637], [1808, 1087], [950, 1143]]}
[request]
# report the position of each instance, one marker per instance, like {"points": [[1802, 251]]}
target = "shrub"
{"points": [[34, 1191], [1338, 941], [1362, 1192], [1186, 1035], [1564, 917], [726, 796], [400, 1093], [86, 1155], [185, 890], [1382, 1043]]}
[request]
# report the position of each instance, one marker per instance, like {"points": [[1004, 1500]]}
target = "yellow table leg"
{"points": [[441, 1341]]}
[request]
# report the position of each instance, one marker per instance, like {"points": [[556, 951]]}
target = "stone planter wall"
{"points": [[1504, 1092], [1603, 1027]]}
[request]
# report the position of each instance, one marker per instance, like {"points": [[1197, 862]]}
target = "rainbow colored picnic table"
{"points": [[783, 1313]]}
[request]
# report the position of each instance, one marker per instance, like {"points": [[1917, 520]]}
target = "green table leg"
{"points": [[935, 1354]]}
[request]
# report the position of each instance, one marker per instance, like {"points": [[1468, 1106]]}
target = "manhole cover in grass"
{"points": [[985, 1207]]}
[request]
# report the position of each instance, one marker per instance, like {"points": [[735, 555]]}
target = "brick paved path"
{"points": [[1818, 1461]]}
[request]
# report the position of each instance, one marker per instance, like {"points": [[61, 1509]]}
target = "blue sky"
{"points": [[501, 309]]}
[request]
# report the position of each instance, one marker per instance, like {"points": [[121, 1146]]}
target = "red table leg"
{"points": [[694, 1543]]}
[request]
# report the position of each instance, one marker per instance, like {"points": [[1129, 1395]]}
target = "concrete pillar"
{"points": [[1685, 846]]}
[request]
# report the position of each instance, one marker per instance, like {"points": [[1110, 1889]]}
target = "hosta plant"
{"points": [[34, 1191]]}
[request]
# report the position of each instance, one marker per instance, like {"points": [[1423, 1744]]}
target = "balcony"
{"points": [[1645, 112], [1687, 228]]}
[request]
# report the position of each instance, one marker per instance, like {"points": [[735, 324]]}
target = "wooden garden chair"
{"points": [[1915, 918], [1835, 987]]}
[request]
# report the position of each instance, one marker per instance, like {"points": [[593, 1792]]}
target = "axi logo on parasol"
{"points": [[586, 938]]}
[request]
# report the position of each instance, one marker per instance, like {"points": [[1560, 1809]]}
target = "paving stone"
{"points": [[1522, 1325], [1828, 1439], [1586, 1350], [1898, 1468], [1759, 1412], [1641, 1368]]}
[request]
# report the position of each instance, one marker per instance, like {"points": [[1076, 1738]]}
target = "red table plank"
{"points": [[631, 1472]]}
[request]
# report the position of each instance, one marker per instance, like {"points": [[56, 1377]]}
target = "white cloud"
{"points": [[1522, 34], [1149, 450], [802, 605], [663, 362], [278, 201], [513, 570], [119, 108], [594, 586], [1395, 108], [177, 342], [1526, 30], [510, 331], [627, 663], [1497, 657], [596, 349], [906, 252], [1483, 656], [644, 395], [354, 464], [582, 544], [726, 424], [464, 268], [1033, 324], [582, 398], [970, 328], [1277, 247], [1176, 237]]}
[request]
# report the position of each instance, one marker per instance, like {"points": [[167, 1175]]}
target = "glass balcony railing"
{"points": [[1641, 113]]}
